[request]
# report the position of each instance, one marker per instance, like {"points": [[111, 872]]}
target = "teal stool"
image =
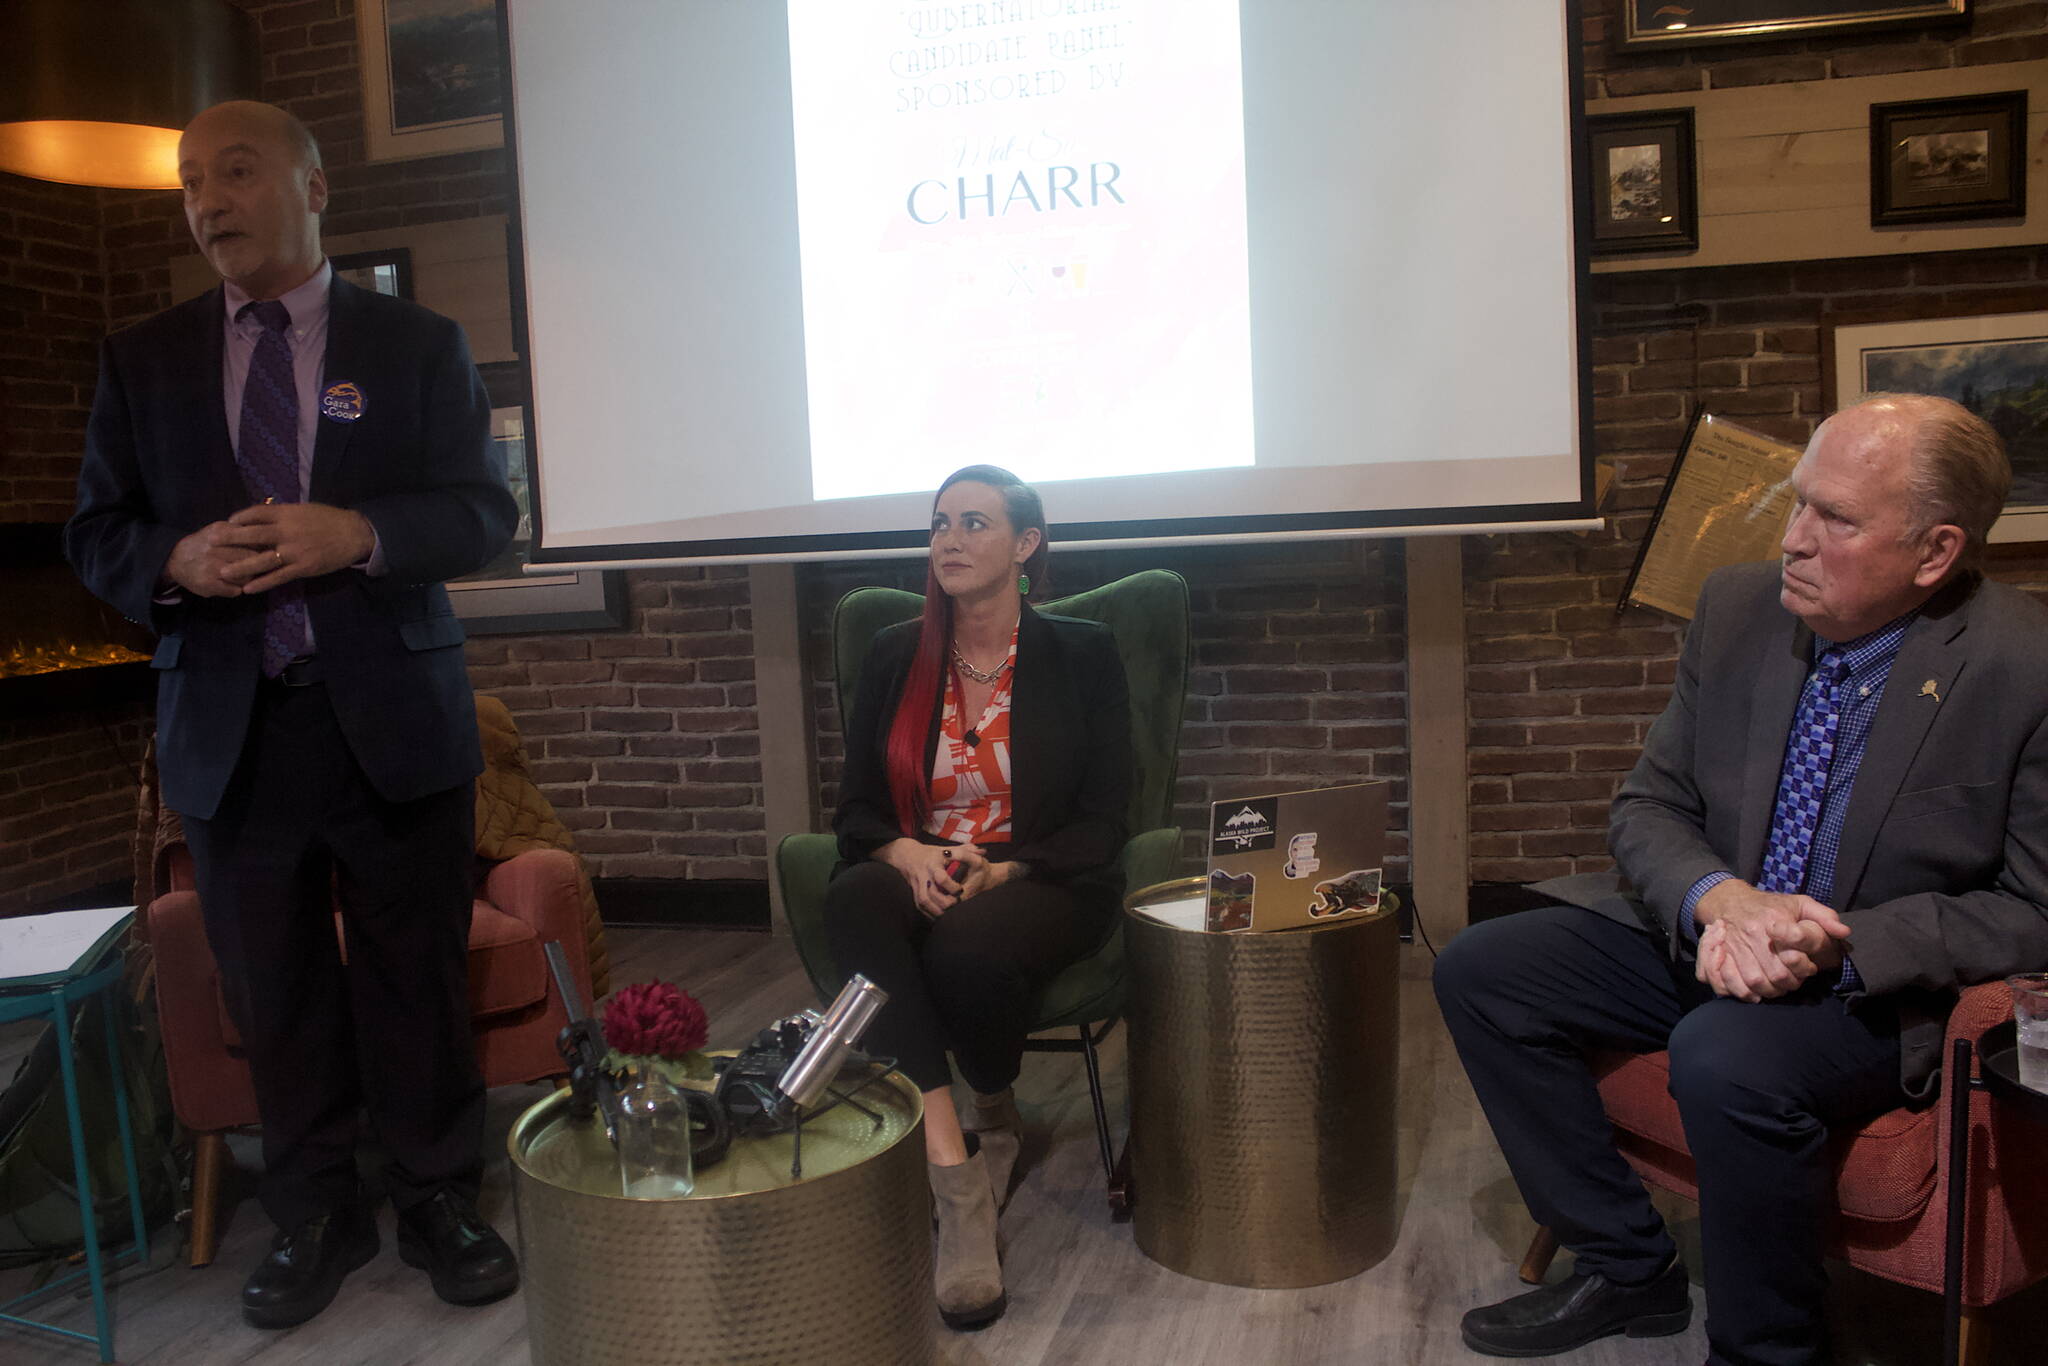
{"points": [[1148, 612], [54, 1001]]}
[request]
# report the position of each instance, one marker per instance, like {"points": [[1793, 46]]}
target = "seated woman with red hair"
{"points": [[988, 772]]}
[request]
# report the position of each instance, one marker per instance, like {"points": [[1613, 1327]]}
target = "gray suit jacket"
{"points": [[1943, 869]]}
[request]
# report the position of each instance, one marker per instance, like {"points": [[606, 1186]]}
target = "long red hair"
{"points": [[910, 783]]}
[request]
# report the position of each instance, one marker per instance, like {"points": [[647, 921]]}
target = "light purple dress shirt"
{"points": [[307, 335]]}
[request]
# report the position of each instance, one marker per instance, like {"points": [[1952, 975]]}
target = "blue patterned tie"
{"points": [[1803, 782], [268, 455]]}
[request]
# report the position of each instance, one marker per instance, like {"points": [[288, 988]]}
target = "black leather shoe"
{"points": [[464, 1256], [1579, 1310], [306, 1266]]}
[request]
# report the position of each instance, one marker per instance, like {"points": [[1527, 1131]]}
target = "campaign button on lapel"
{"points": [[342, 402]]}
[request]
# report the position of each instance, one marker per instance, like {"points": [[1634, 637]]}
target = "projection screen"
{"points": [[1198, 269]]}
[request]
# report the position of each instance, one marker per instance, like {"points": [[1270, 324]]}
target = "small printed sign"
{"points": [[342, 402], [1239, 827]]}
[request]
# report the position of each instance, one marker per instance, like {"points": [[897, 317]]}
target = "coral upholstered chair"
{"points": [[1891, 1177]]}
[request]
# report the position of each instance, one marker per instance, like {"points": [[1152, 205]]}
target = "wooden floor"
{"points": [[1080, 1291]]}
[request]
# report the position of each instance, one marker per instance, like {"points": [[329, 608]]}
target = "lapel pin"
{"points": [[1927, 690], [342, 402]]}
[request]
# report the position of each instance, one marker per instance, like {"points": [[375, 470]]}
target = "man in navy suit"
{"points": [[278, 477]]}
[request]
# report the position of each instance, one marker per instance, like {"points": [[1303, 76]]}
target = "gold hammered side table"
{"points": [[1264, 1075], [751, 1267]]}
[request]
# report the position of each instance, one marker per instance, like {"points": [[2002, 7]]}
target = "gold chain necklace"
{"points": [[976, 674]]}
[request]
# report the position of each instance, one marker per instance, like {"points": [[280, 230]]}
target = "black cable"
{"points": [[1421, 930]]}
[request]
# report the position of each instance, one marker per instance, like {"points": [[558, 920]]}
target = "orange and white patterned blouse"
{"points": [[971, 782]]}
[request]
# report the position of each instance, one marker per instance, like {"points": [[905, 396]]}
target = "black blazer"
{"points": [[1070, 753], [418, 463]]}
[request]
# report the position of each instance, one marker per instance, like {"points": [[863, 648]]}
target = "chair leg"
{"points": [[1973, 1346], [1958, 1083], [1101, 1110], [1536, 1261], [209, 1157]]}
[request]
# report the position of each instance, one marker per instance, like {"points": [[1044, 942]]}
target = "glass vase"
{"points": [[654, 1137]]}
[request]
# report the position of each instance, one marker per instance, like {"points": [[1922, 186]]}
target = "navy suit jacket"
{"points": [[417, 463], [1942, 875]]}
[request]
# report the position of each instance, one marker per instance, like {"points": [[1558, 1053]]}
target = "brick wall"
{"points": [[67, 790], [647, 740], [52, 314]]}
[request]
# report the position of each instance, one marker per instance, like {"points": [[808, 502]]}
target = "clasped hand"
{"points": [[1756, 945], [263, 546], [924, 867]]}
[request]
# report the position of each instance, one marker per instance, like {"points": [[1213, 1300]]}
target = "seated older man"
{"points": [[1840, 819]]}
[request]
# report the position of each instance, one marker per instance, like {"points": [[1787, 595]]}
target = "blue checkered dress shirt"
{"points": [[1870, 659]]}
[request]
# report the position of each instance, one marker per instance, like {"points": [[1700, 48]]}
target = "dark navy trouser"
{"points": [[1527, 997]]}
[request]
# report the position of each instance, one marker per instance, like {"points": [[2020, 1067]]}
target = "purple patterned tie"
{"points": [[1803, 782], [268, 454]]}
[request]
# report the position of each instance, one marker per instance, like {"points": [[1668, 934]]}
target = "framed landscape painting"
{"points": [[1994, 364], [432, 82]]}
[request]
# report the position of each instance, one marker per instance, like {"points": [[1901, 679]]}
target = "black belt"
{"points": [[301, 673]]}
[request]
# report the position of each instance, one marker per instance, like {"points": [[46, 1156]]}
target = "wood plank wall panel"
{"points": [[1784, 170]]}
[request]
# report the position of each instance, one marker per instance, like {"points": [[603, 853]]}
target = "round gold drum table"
{"points": [[1263, 1081], [752, 1267]]}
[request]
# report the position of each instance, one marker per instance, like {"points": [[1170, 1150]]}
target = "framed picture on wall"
{"points": [[387, 271], [1994, 364], [500, 599], [1944, 161], [1660, 23], [1644, 193], [431, 78]]}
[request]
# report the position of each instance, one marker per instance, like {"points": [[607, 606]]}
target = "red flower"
{"points": [[654, 1018]]}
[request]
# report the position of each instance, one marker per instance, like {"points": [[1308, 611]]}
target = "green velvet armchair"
{"points": [[1149, 614]]}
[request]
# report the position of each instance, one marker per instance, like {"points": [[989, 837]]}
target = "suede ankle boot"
{"points": [[965, 1271], [995, 1121]]}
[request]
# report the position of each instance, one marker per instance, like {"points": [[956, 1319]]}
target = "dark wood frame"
{"points": [[399, 257], [1672, 131], [2002, 116], [1731, 21]]}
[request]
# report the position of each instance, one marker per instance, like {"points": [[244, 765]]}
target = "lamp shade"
{"points": [[95, 92]]}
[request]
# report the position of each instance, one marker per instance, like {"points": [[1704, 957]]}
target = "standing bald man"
{"points": [[279, 475], [1840, 820]]}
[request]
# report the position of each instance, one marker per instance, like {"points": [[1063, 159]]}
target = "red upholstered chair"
{"points": [[524, 902], [1891, 1177]]}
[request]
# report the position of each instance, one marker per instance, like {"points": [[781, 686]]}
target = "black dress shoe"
{"points": [[1579, 1310], [306, 1266], [464, 1256]]}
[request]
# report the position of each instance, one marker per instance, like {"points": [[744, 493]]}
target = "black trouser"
{"points": [[298, 824], [1528, 996], [967, 980]]}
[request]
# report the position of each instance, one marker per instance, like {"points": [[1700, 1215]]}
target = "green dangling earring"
{"points": [[1024, 585]]}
